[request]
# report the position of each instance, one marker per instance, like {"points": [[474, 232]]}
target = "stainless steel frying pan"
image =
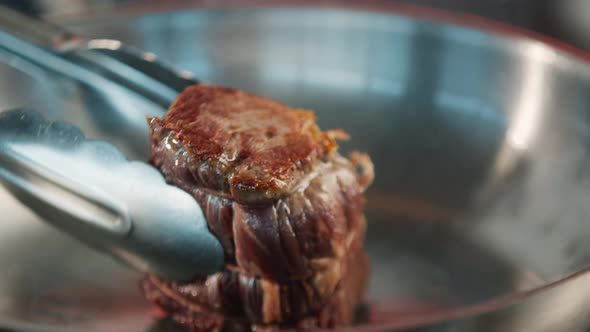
{"points": [[479, 217]]}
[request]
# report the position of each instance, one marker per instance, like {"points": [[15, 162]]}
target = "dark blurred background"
{"points": [[566, 20]]}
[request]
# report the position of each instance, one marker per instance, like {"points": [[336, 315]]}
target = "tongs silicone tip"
{"points": [[88, 189]]}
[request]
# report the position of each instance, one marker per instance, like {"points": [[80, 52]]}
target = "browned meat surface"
{"points": [[242, 146], [285, 205]]}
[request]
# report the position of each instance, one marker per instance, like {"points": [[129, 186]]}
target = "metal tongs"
{"points": [[88, 188], [96, 63]]}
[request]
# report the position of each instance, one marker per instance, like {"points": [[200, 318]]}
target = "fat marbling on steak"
{"points": [[286, 206]]}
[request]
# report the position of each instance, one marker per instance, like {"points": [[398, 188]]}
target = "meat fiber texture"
{"points": [[285, 205]]}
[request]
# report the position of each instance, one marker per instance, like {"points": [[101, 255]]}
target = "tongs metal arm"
{"points": [[34, 31], [90, 61]]}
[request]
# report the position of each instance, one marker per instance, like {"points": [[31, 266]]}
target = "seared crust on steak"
{"points": [[250, 148]]}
